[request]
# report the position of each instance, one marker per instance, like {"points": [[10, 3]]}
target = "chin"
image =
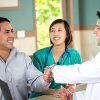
{"points": [[98, 44], [10, 47]]}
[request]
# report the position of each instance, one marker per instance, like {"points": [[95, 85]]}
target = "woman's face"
{"points": [[58, 34]]}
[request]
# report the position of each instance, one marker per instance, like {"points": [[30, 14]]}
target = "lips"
{"points": [[10, 41], [56, 38]]}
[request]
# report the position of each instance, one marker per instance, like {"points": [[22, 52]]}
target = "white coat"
{"points": [[87, 72]]}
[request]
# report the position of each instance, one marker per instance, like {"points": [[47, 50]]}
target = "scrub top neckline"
{"points": [[51, 57]]}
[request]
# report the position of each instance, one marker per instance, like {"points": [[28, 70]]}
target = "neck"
{"points": [[58, 49], [4, 54]]}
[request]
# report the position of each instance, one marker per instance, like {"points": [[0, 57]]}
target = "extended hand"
{"points": [[71, 88], [65, 94], [47, 76]]}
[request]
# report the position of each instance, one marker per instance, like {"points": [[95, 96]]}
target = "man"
{"points": [[16, 68], [88, 72]]}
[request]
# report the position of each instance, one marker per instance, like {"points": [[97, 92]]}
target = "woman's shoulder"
{"points": [[72, 51], [42, 51]]}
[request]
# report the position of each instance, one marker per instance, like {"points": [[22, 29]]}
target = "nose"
{"points": [[95, 31], [55, 33], [11, 35]]}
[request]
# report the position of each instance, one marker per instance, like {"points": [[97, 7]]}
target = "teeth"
{"points": [[10, 41], [97, 37], [56, 38]]}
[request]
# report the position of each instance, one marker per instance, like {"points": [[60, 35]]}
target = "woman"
{"points": [[60, 37]]}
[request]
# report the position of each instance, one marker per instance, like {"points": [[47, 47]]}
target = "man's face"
{"points": [[6, 36], [97, 32]]}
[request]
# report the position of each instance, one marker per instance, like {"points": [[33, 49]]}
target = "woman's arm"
{"points": [[55, 92]]}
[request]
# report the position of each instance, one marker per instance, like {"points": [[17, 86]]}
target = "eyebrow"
{"points": [[8, 30], [97, 26], [58, 28]]}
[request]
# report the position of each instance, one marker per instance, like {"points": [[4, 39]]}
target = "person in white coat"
{"points": [[87, 72]]}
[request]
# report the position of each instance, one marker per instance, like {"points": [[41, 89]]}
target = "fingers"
{"points": [[69, 96], [63, 89], [63, 96], [47, 70], [71, 89], [67, 85], [47, 76]]}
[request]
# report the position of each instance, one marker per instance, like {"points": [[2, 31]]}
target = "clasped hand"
{"points": [[47, 76], [65, 94]]}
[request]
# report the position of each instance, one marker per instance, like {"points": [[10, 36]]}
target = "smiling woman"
{"points": [[59, 54]]}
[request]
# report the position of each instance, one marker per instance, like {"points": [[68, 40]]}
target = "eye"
{"points": [[52, 31], [7, 32], [12, 31], [97, 27], [59, 30]]}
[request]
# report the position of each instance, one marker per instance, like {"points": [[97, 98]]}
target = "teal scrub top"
{"points": [[39, 58]]}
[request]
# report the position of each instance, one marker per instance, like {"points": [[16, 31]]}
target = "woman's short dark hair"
{"points": [[98, 14], [67, 28]]}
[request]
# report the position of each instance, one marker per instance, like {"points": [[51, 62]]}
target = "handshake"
{"points": [[64, 93], [47, 76]]}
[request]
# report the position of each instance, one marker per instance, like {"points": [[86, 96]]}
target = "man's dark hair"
{"points": [[98, 14], [67, 28], [2, 19]]}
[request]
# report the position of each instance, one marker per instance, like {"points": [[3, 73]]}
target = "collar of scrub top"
{"points": [[58, 63]]}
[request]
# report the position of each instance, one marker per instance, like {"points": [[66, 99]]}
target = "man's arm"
{"points": [[36, 79], [87, 72], [55, 92]]}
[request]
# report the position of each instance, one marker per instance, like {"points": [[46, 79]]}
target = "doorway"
{"points": [[46, 12]]}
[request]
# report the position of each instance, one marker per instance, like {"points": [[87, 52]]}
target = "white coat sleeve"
{"points": [[80, 95], [87, 72]]}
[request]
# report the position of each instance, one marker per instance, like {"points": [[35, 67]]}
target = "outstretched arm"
{"points": [[87, 72]]}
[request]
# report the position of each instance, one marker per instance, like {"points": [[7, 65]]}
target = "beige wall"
{"points": [[86, 43], [76, 41], [26, 45]]}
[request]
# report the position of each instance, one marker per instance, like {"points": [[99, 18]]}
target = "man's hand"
{"points": [[71, 87], [65, 94], [52, 67], [47, 76]]}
